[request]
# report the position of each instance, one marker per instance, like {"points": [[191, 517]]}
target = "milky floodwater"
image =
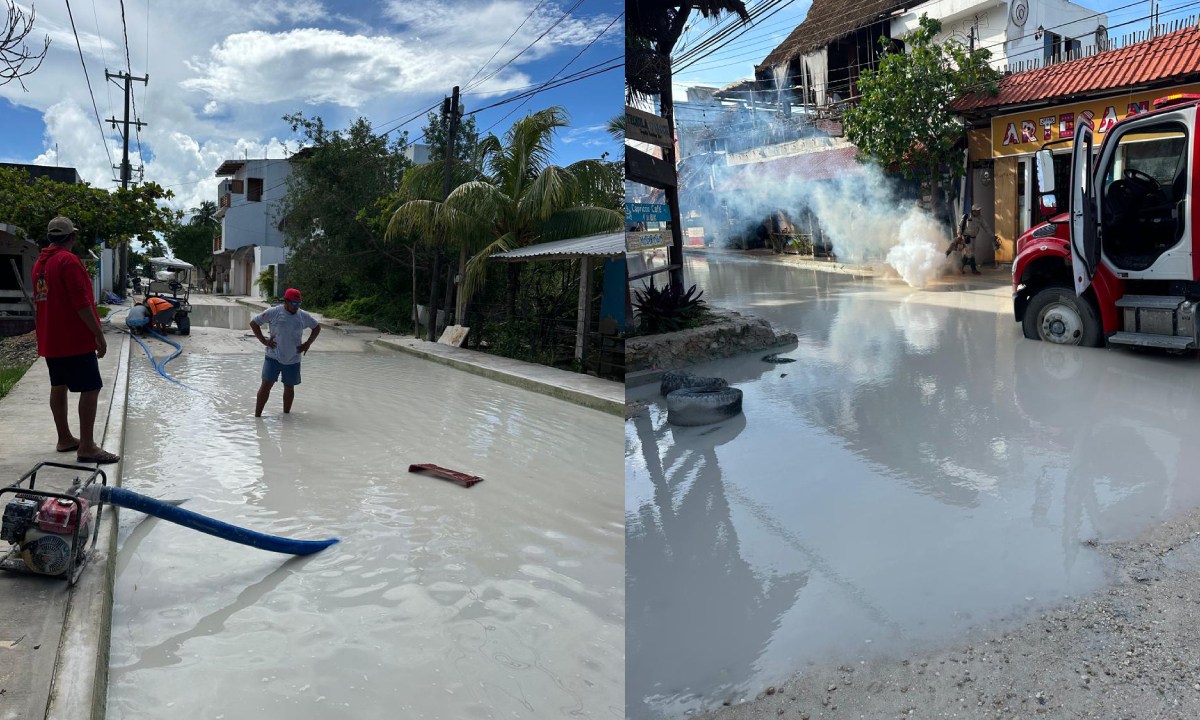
{"points": [[921, 473], [502, 600]]}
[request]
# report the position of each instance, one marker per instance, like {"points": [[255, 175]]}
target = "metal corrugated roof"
{"points": [[1167, 59], [606, 245]]}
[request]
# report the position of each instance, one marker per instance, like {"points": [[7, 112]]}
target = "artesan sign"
{"points": [[1024, 133], [646, 127]]}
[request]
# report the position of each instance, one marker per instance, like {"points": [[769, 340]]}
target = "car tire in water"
{"points": [[1057, 315], [673, 381], [184, 323], [703, 406]]}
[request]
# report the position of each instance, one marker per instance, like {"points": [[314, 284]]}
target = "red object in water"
{"points": [[438, 471]]}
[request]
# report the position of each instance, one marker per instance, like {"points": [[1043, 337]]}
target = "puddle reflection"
{"points": [[921, 471]]}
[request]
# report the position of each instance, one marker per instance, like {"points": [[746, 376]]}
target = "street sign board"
{"points": [[647, 212], [648, 170], [646, 127], [635, 241]]}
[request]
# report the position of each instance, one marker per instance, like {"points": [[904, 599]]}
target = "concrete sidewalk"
{"points": [[604, 395], [53, 639]]}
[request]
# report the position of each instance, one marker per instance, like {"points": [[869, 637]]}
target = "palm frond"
{"points": [[552, 189], [580, 222]]}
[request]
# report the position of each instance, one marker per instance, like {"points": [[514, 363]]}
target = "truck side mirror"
{"points": [[1047, 202]]}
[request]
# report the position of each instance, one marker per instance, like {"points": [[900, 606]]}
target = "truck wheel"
{"points": [[185, 324], [1056, 314], [703, 406]]}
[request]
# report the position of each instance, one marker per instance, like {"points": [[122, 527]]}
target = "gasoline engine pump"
{"points": [[48, 531]]}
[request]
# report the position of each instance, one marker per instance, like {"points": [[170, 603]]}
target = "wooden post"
{"points": [[585, 306]]}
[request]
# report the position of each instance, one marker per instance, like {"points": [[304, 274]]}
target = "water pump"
{"points": [[48, 531]]}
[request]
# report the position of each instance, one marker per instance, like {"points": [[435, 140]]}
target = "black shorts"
{"points": [[80, 373]]}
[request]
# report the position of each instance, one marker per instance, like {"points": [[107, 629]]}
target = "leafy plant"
{"points": [[266, 280], [667, 309]]}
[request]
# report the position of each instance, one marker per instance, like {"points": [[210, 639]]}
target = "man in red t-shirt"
{"points": [[70, 338]]}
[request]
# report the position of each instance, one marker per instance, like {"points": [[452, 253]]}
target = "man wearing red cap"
{"points": [[70, 338], [284, 349]]}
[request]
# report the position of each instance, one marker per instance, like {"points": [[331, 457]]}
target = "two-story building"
{"points": [[250, 241]]}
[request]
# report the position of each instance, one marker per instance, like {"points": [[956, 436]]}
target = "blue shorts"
{"points": [[272, 369], [137, 322]]}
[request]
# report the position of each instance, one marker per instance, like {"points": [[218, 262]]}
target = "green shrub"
{"points": [[667, 309], [266, 281]]}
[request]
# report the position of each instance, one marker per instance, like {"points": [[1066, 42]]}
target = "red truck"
{"points": [[1119, 266]]}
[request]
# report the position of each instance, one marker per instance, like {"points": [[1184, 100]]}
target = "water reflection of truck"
{"points": [[1120, 265]]}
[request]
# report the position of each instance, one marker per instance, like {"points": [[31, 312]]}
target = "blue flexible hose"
{"points": [[196, 521], [159, 365]]}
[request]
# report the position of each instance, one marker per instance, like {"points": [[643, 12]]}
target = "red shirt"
{"points": [[61, 288]]}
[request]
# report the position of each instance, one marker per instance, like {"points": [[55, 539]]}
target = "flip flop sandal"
{"points": [[67, 449], [103, 458]]}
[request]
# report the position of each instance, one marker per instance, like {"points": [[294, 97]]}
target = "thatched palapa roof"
{"points": [[829, 20]]}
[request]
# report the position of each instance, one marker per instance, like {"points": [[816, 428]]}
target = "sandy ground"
{"points": [[1131, 651]]}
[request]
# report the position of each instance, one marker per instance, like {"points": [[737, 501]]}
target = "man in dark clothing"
{"points": [[70, 338]]}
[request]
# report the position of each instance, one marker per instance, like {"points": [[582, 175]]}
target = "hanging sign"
{"points": [[647, 127], [648, 170], [647, 212], [636, 241]]}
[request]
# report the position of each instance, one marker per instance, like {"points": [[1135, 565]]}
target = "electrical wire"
{"points": [[78, 46], [543, 86], [503, 44]]}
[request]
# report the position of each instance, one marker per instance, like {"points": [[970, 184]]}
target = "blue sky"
{"points": [[222, 73], [736, 58]]}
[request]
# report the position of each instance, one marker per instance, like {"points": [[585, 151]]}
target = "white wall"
{"points": [[263, 257], [995, 29], [255, 223]]}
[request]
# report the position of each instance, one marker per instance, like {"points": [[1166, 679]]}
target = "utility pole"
{"points": [[126, 171], [450, 118]]}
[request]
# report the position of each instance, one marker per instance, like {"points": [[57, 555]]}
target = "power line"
{"points": [[556, 74], [137, 129], [510, 37], [545, 32], [96, 110]]}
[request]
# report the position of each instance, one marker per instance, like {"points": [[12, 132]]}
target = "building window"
{"points": [[235, 186], [254, 189]]}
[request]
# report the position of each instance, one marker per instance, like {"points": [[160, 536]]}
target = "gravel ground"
{"points": [[1130, 651], [18, 351]]}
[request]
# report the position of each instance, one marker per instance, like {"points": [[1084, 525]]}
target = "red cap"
{"points": [[292, 294]]}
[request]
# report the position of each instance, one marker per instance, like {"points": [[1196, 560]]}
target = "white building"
{"points": [[248, 206], [1018, 33]]}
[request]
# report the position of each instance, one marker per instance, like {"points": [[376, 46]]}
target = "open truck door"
{"points": [[1085, 240]]}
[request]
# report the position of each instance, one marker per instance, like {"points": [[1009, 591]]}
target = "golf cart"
{"points": [[171, 281]]}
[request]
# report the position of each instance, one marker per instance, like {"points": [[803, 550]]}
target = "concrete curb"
{"points": [[444, 354], [79, 688]]}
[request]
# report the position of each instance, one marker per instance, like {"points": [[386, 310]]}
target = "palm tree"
{"points": [[205, 215], [515, 198]]}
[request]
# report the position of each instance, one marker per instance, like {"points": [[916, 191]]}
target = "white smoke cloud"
{"points": [[860, 214]]}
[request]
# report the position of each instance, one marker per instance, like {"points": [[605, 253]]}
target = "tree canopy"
{"points": [[903, 119], [115, 216]]}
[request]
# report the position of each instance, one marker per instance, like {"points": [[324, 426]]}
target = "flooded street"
{"points": [[502, 600], [920, 473]]}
